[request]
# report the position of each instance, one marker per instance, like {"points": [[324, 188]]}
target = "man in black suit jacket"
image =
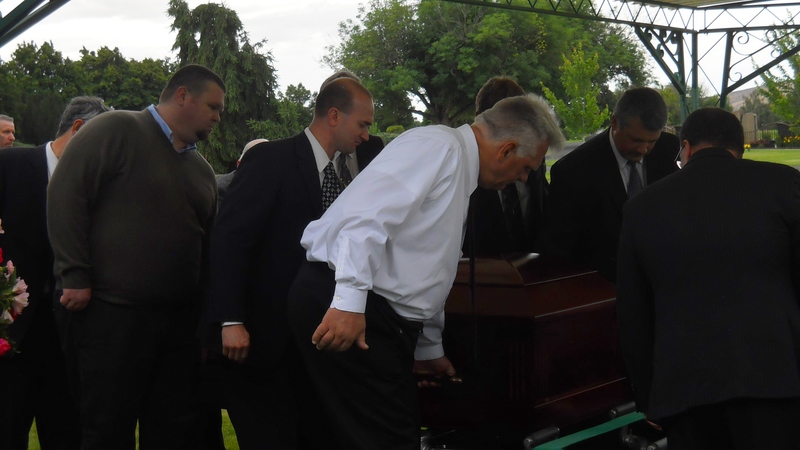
{"points": [[256, 252], [38, 371], [508, 220], [589, 186], [707, 295]]}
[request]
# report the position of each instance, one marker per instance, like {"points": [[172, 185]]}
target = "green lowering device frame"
{"points": [[611, 425]]}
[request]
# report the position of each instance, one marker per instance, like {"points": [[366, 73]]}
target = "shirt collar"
{"points": [[319, 153], [473, 159], [621, 160], [52, 161], [167, 131]]}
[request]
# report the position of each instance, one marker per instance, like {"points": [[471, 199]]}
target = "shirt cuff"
{"points": [[349, 299], [429, 344], [226, 324]]}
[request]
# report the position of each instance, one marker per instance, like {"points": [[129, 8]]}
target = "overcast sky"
{"points": [[297, 31]]}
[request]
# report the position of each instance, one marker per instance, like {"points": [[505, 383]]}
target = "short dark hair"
{"points": [[496, 89], [715, 127], [644, 104], [338, 94], [194, 77], [83, 108]]}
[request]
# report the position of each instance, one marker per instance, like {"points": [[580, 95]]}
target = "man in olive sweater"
{"points": [[129, 210]]}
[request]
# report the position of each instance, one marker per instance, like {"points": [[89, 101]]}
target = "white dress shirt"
{"points": [[52, 161], [398, 227], [352, 164], [624, 168]]}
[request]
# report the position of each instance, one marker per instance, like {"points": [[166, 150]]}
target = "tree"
{"points": [[39, 83], [758, 104], [440, 53], [122, 83], [294, 113], [782, 88], [213, 35], [580, 113]]}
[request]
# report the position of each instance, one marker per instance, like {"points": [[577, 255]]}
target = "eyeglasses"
{"points": [[678, 158]]}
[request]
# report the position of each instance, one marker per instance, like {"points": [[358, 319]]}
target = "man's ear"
{"points": [[614, 122], [333, 116], [687, 149], [77, 125], [180, 95], [505, 149]]}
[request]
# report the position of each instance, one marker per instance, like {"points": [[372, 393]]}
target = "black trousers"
{"points": [[262, 405], [135, 363], [38, 389], [741, 424], [357, 399]]}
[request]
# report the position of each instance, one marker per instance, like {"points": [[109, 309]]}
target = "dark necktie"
{"points": [[634, 180], [344, 171], [330, 186], [513, 215]]}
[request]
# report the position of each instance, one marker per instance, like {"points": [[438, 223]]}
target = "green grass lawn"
{"points": [[227, 433], [790, 157]]}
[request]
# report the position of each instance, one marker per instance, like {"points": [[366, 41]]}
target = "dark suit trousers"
{"points": [[741, 424], [357, 399], [38, 389], [135, 363], [262, 404]]}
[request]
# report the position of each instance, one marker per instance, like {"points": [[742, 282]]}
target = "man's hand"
{"points": [[76, 299], [339, 329], [433, 367], [235, 342]]}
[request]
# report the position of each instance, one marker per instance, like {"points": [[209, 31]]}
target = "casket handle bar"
{"points": [[540, 437]]}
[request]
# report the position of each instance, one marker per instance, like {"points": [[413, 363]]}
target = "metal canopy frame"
{"points": [[683, 35], [25, 15]]}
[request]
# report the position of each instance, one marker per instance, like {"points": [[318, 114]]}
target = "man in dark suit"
{"points": [[38, 371], [589, 186], [707, 295], [279, 188], [508, 220]]}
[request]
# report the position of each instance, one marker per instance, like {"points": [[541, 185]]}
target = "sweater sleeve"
{"points": [[92, 157]]}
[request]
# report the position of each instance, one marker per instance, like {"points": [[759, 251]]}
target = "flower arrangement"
{"points": [[13, 299]]}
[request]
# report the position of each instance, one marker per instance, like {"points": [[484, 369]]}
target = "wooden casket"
{"points": [[536, 347]]}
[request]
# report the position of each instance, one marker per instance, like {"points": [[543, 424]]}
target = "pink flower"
{"points": [[5, 346], [6, 317], [20, 288]]}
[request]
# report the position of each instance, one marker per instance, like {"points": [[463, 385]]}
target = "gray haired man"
{"points": [[6, 131], [394, 239], [40, 390]]}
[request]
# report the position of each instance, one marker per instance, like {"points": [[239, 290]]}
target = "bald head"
{"points": [[340, 93], [342, 116]]}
